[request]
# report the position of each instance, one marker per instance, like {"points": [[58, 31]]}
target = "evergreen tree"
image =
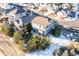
{"points": [[56, 31]]}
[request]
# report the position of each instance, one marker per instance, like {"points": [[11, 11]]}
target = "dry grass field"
{"points": [[8, 47]]}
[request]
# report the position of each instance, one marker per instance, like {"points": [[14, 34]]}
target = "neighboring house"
{"points": [[3, 18], [3, 5], [77, 11], [70, 24], [18, 14], [41, 25], [62, 14], [15, 9], [1, 15]]}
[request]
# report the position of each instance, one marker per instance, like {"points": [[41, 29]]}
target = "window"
{"points": [[78, 15], [24, 14]]}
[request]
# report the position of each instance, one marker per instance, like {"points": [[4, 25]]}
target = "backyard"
{"points": [[55, 43]]}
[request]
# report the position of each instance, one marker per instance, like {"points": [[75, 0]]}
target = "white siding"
{"points": [[45, 29], [37, 26]]}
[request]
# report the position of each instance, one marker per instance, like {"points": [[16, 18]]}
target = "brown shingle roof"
{"points": [[40, 21], [71, 24], [43, 9], [66, 23]]}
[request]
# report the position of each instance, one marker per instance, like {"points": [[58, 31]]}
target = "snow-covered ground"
{"points": [[56, 43], [46, 52], [59, 40]]}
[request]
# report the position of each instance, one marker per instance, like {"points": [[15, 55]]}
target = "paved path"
{"points": [[8, 47]]}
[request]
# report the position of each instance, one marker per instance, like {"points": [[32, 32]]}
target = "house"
{"points": [[15, 9], [3, 17], [3, 5], [62, 14], [77, 11], [65, 5], [70, 24], [17, 15], [41, 25]]}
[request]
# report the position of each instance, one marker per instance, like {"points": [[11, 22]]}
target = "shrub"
{"points": [[72, 52], [8, 29], [65, 53], [17, 36], [38, 43], [77, 50], [27, 27], [56, 31], [59, 51], [22, 45], [20, 40], [26, 36]]}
